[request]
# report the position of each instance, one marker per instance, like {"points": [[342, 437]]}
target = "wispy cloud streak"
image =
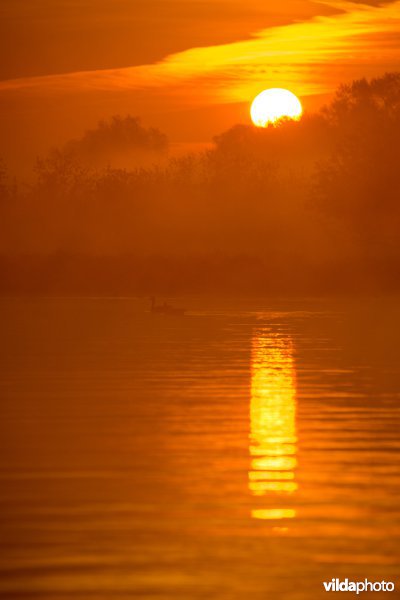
{"points": [[311, 57]]}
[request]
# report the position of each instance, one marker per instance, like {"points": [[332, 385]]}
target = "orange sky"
{"points": [[189, 67]]}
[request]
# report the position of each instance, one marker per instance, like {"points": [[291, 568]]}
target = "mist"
{"points": [[308, 206]]}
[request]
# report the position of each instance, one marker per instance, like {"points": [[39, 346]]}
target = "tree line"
{"points": [[300, 206]]}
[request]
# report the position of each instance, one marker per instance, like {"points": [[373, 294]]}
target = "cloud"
{"points": [[46, 37], [311, 57]]}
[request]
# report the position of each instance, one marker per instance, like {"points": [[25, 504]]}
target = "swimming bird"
{"points": [[165, 308]]}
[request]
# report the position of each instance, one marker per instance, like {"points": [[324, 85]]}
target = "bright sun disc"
{"points": [[273, 104]]}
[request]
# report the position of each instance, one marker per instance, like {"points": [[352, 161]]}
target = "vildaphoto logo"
{"points": [[336, 585]]}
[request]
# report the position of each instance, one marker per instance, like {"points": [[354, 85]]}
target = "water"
{"points": [[247, 450]]}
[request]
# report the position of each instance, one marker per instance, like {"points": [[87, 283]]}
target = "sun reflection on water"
{"points": [[273, 438]]}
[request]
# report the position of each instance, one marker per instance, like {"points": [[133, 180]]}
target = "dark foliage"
{"points": [[309, 206]]}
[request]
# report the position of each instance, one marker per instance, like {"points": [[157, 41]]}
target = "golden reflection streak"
{"points": [[274, 513], [273, 434]]}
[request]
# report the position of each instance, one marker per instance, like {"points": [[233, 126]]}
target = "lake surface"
{"points": [[248, 450]]}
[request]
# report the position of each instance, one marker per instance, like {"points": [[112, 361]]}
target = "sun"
{"points": [[273, 104]]}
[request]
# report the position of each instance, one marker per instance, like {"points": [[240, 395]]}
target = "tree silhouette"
{"points": [[310, 201], [360, 182], [120, 141]]}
